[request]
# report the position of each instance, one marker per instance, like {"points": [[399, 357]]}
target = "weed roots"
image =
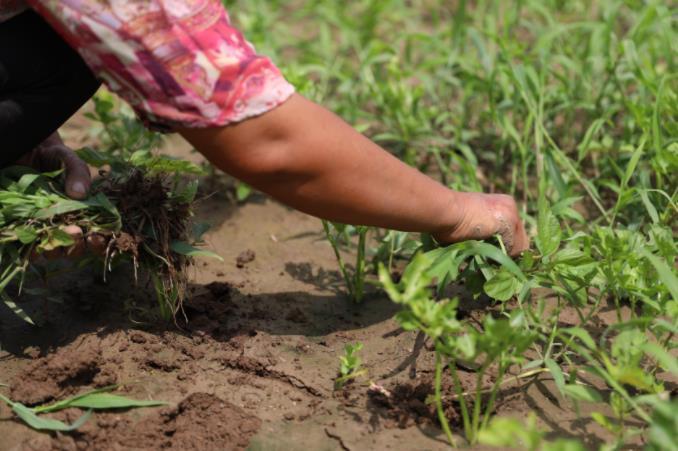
{"points": [[152, 218]]}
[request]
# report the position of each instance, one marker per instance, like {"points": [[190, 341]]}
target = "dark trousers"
{"points": [[43, 82]]}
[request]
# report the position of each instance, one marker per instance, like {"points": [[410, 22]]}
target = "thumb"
{"points": [[78, 178]]}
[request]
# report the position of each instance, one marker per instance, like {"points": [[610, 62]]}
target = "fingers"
{"points": [[522, 242], [92, 244], [78, 178], [79, 246], [97, 244]]}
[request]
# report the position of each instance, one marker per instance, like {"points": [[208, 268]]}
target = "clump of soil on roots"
{"points": [[152, 219]]}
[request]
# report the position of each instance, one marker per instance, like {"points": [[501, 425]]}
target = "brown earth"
{"points": [[251, 365]]}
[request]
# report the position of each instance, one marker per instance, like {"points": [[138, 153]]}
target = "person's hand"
{"points": [[52, 155], [486, 215]]}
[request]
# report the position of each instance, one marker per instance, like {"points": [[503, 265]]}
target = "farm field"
{"points": [[323, 336]]}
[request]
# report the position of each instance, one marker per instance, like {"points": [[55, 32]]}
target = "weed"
{"points": [[350, 365]]}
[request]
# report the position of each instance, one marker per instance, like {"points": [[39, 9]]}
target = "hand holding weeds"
{"points": [[52, 155]]}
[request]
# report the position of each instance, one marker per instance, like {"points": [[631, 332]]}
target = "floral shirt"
{"points": [[179, 63]]}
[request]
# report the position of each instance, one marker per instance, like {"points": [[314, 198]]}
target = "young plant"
{"points": [[355, 277], [350, 365]]}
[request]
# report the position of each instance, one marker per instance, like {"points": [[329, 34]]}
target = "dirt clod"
{"points": [[59, 374], [244, 258]]}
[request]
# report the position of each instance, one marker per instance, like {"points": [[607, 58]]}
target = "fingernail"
{"points": [[79, 187]]}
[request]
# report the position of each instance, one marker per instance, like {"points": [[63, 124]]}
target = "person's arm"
{"points": [[308, 158]]}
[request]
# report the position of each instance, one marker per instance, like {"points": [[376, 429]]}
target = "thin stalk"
{"points": [[340, 260], [493, 396], [439, 401], [517, 378], [477, 404], [462, 399], [359, 276]]}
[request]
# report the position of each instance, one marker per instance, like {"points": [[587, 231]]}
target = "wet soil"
{"points": [[252, 363]]}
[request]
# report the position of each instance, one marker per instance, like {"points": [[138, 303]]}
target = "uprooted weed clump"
{"points": [[152, 222], [139, 209]]}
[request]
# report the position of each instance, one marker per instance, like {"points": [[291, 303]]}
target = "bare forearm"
{"points": [[308, 158]]}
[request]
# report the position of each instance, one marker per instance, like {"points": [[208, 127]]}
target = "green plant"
{"points": [[499, 342], [141, 204], [100, 399], [353, 277], [350, 365]]}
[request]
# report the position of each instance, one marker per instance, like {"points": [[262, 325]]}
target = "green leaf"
{"points": [[183, 248], [557, 374], [549, 234], [55, 239], [582, 393], [491, 252], [47, 424], [242, 191], [571, 257], [666, 360], [582, 334], [18, 311], [44, 424], [60, 208], [93, 157], [502, 286], [26, 181], [98, 400], [666, 275], [26, 234]]}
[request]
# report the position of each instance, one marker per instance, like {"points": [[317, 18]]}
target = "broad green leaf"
{"points": [[549, 233], [26, 234], [502, 286], [183, 248]]}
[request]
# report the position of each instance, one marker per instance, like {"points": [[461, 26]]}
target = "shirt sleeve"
{"points": [[177, 63]]}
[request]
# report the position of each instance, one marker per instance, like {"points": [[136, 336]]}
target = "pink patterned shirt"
{"points": [[178, 63]]}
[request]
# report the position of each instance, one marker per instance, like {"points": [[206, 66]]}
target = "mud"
{"points": [[251, 365]]}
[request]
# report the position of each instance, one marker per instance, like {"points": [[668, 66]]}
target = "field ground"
{"points": [[255, 363], [571, 107]]}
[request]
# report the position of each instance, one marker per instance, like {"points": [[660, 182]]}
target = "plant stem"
{"points": [[439, 401], [462, 400]]}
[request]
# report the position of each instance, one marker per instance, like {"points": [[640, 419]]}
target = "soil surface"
{"points": [[252, 363]]}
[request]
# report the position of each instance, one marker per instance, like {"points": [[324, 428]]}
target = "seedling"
{"points": [[350, 365]]}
